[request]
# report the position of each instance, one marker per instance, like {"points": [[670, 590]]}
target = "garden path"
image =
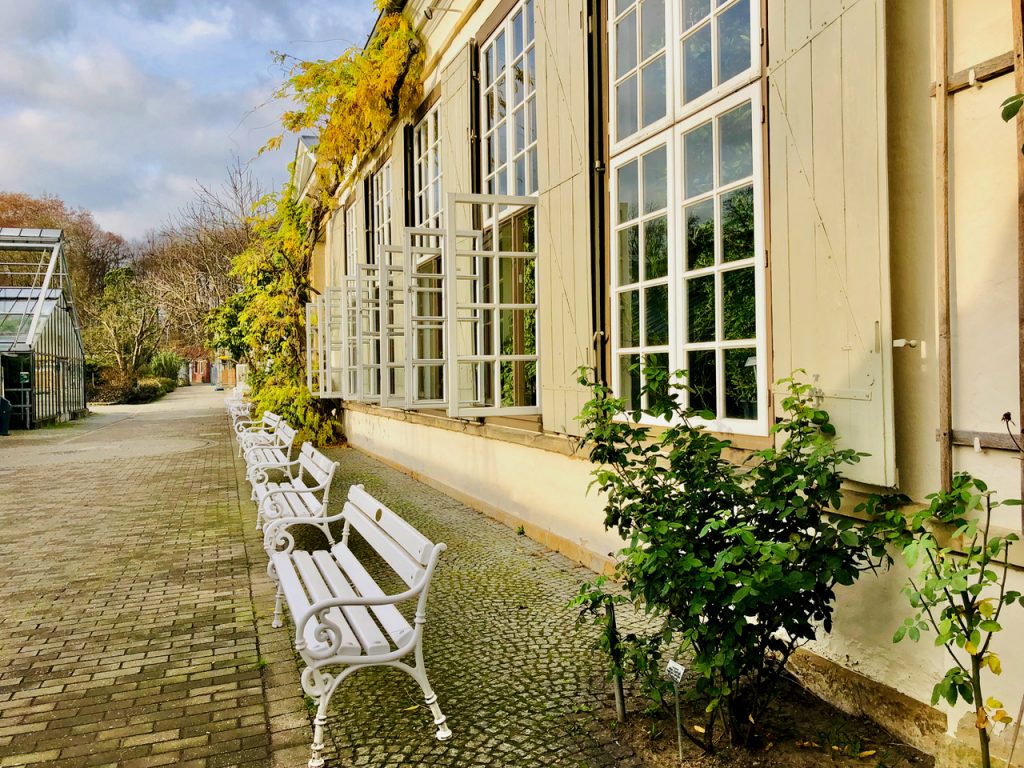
{"points": [[135, 622]]}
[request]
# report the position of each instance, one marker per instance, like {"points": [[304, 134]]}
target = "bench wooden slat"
{"points": [[394, 555], [319, 590], [389, 616], [359, 618], [412, 541]]}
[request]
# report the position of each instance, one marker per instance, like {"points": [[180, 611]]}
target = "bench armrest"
{"points": [[276, 537]]}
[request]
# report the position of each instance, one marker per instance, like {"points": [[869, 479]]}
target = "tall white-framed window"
{"points": [[427, 204], [381, 208], [508, 69], [688, 265], [351, 241], [668, 59]]}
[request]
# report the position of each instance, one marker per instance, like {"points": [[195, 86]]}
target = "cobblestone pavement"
{"points": [[517, 679], [127, 633]]}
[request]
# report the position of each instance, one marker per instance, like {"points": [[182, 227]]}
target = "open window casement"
{"points": [[368, 335], [493, 362], [426, 317], [314, 347], [332, 333], [393, 309], [829, 218]]}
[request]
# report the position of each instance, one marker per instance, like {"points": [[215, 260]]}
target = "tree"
{"points": [[187, 265], [91, 251], [125, 327]]}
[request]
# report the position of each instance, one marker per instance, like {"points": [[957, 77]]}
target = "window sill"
{"points": [[525, 431]]}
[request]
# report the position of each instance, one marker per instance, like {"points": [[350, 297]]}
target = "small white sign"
{"points": [[675, 671]]}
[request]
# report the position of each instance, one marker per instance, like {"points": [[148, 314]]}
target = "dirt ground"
{"points": [[802, 731]]}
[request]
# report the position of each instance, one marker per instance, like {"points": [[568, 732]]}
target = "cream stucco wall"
{"points": [[543, 490]]}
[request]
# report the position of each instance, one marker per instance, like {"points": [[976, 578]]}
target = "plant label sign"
{"points": [[675, 672]]}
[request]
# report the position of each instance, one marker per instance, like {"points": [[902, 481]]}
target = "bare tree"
{"points": [[187, 264]]}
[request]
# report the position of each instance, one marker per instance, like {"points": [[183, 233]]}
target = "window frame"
{"points": [[428, 171], [676, 109], [678, 346], [530, 150]]}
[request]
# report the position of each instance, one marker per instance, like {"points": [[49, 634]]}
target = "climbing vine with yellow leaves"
{"points": [[351, 102]]}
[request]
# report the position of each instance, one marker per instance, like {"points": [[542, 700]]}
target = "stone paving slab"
{"points": [[127, 633], [517, 679]]}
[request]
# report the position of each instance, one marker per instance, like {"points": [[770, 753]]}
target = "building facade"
{"points": [[738, 188]]}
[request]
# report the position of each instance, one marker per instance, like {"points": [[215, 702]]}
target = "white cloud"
{"points": [[125, 109]]}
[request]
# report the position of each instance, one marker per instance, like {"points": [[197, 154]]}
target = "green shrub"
{"points": [[146, 390], [740, 561], [167, 384], [300, 409], [165, 364]]}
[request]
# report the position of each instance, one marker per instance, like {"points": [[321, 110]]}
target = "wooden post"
{"points": [[1018, 76], [942, 244]]}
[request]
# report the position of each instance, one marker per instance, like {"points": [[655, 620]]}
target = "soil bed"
{"points": [[802, 732]]}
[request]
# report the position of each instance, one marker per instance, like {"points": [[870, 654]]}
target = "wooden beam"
{"points": [[995, 67], [942, 269], [1018, 74], [997, 441]]}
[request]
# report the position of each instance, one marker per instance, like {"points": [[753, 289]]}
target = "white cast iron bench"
{"points": [[302, 496], [250, 433], [277, 454], [344, 619]]}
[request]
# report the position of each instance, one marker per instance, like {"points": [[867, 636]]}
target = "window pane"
{"points": [[655, 180], [697, 63], [656, 248], [519, 121], [502, 144], [625, 108], [529, 21], [700, 378], [629, 255], [700, 303], [738, 224], [625, 44], [499, 53], [700, 234], [517, 34], [735, 145], [734, 41], [695, 11], [534, 183], [629, 319], [531, 108], [531, 71], [739, 315], [655, 94], [500, 105], [518, 86], [520, 171], [741, 383], [621, 5], [629, 380], [627, 192], [652, 27], [698, 160], [656, 320]]}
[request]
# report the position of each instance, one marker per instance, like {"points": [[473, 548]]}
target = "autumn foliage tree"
{"points": [[351, 102]]}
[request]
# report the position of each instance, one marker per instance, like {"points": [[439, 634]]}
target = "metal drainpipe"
{"points": [[598, 184]]}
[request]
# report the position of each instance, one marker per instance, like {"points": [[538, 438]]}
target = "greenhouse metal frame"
{"points": [[42, 360]]}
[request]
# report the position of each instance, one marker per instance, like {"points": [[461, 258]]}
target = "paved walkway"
{"points": [[135, 624]]}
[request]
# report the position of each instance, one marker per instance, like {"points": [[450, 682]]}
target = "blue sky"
{"points": [[123, 106]]}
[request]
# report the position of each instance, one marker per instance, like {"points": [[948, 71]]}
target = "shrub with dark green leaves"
{"points": [[741, 561]]}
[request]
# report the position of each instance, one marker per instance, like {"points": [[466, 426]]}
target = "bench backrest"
{"points": [[319, 468], [284, 435], [402, 547], [270, 421]]}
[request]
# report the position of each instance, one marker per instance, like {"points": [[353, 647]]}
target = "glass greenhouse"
{"points": [[42, 361]]}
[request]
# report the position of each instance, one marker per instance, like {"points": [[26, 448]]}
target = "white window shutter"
{"points": [[829, 246]]}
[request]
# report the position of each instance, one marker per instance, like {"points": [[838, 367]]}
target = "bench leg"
{"points": [[420, 673], [316, 759], [276, 623]]}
